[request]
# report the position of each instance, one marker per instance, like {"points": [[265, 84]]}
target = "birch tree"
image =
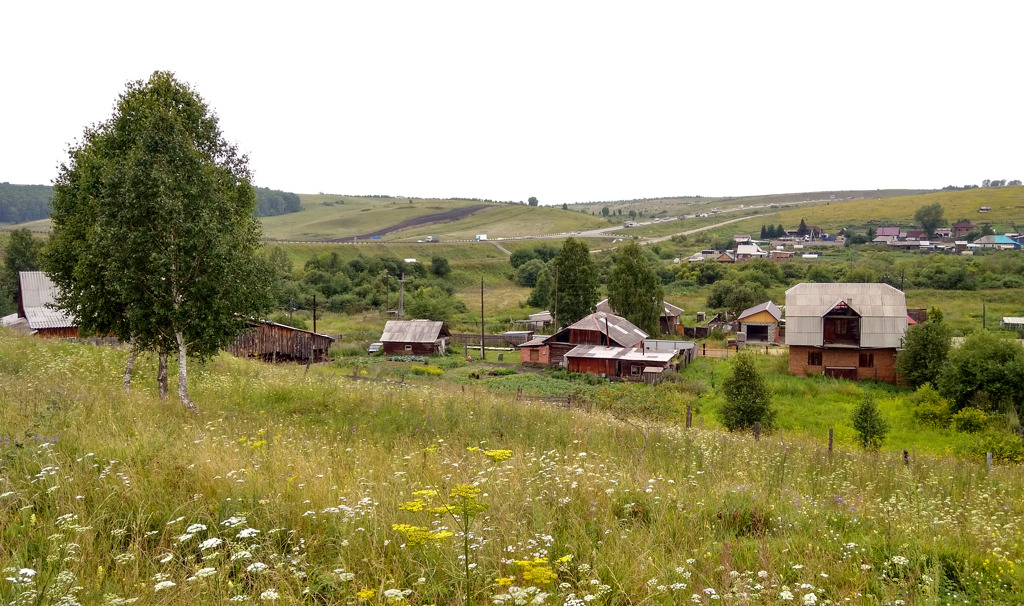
{"points": [[154, 237]]}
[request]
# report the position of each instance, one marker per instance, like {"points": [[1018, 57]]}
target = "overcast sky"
{"points": [[565, 101]]}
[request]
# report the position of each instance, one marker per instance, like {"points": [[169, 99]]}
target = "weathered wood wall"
{"points": [[277, 343]]}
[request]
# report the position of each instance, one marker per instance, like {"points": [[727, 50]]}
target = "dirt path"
{"points": [[449, 215]]}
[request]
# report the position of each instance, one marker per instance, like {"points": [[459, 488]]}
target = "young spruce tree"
{"points": [[748, 399]]}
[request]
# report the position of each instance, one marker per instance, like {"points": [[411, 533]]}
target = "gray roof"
{"points": [[413, 331], [542, 316], [768, 306], [868, 300], [535, 342], [37, 294], [619, 353], [667, 308], [621, 330]]}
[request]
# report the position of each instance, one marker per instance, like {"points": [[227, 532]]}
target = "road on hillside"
{"points": [[447, 216]]}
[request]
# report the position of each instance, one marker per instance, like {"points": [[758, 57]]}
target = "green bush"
{"points": [[427, 370], [869, 424], [1005, 447], [502, 372], [928, 407], [970, 420]]}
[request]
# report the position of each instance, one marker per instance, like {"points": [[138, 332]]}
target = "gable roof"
{"points": [[868, 300], [413, 331], [37, 293], [887, 231], [767, 306], [619, 353], [749, 249], [667, 309], [619, 329]]}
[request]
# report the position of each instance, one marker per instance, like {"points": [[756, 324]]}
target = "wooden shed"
{"points": [[36, 295], [415, 337], [273, 342], [761, 323], [624, 362]]}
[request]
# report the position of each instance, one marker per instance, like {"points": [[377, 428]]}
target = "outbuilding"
{"points": [[36, 296], [761, 323], [273, 342], [415, 337]]}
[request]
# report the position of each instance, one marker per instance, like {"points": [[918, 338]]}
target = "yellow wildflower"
{"points": [[564, 559], [503, 581], [498, 455], [473, 448], [366, 594]]}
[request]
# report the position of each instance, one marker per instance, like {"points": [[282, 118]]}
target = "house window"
{"points": [[635, 370], [867, 360], [408, 348], [814, 358]]}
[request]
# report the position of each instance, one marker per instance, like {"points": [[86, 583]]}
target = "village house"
{"points": [[619, 362], [415, 337], [890, 231], [273, 342], [961, 228], [668, 321], [36, 314], [761, 323], [995, 242], [599, 328], [746, 252], [852, 331]]}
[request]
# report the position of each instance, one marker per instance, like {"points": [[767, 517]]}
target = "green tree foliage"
{"points": [[736, 296], [576, 282], [764, 232], [867, 421], [748, 399], [709, 271], [802, 230], [634, 288], [534, 202], [527, 274], [20, 254], [924, 351], [21, 203], [439, 267], [154, 236], [605, 211], [432, 303], [985, 371], [543, 294], [930, 217], [929, 407], [271, 202], [521, 256]]}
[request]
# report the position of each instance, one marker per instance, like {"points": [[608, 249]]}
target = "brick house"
{"points": [[961, 228], [852, 331]]}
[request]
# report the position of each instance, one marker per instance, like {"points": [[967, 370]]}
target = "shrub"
{"points": [[407, 359], [869, 424], [1005, 447], [928, 407], [426, 370], [748, 400], [502, 372], [970, 420]]}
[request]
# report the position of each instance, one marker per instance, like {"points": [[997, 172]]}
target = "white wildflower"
{"points": [[269, 595], [210, 543], [163, 585]]}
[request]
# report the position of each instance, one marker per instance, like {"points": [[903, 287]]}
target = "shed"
{"points": [[36, 297], [417, 337], [275, 342], [625, 362], [1012, 323], [761, 323], [535, 352]]}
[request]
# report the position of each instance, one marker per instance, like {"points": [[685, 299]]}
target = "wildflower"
{"points": [[240, 555], [503, 581], [786, 594], [247, 533], [256, 567], [163, 585], [269, 595], [498, 455], [202, 573], [194, 528], [210, 543], [564, 559], [810, 599], [240, 598], [233, 521], [366, 594]]}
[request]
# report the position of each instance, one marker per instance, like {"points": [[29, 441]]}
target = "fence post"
{"points": [[906, 458], [988, 460], [689, 416], [829, 440], [757, 431], [355, 371]]}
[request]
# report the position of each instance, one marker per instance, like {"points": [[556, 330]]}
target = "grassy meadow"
{"points": [[309, 488]]}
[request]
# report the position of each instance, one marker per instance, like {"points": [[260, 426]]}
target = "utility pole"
{"points": [[387, 292], [483, 354], [401, 297], [291, 308], [314, 313], [554, 314]]}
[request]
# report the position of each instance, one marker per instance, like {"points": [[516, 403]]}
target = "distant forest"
{"points": [[21, 203]]}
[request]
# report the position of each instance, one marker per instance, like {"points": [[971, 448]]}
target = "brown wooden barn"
{"points": [[415, 337], [35, 296], [617, 362], [599, 328], [273, 342]]}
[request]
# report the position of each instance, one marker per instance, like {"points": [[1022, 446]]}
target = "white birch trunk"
{"points": [[183, 374], [161, 374], [128, 368]]}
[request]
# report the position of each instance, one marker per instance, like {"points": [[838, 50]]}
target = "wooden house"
{"points": [[273, 342], [36, 295], [415, 337], [617, 362], [761, 323], [599, 328], [668, 321], [851, 331]]}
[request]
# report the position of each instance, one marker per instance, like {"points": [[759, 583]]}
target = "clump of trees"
{"points": [[20, 254], [271, 202], [634, 289], [748, 400], [930, 217], [21, 203]]}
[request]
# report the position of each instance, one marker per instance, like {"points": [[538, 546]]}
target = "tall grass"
{"points": [[289, 488]]}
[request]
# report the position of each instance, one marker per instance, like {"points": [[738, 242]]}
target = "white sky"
{"points": [[566, 101]]}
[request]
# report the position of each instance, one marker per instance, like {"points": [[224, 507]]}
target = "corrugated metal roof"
{"points": [[868, 300], [667, 308], [542, 316], [38, 293], [412, 331], [618, 353], [768, 306], [622, 330], [535, 342]]}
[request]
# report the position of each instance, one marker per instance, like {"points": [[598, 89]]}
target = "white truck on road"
{"points": [[481, 237]]}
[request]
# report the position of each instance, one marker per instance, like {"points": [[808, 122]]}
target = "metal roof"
{"points": [[868, 300], [542, 316], [768, 306], [619, 353], [618, 328], [38, 293], [667, 308], [535, 342], [413, 331]]}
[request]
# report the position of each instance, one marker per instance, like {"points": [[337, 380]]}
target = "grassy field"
{"points": [[310, 488]]}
